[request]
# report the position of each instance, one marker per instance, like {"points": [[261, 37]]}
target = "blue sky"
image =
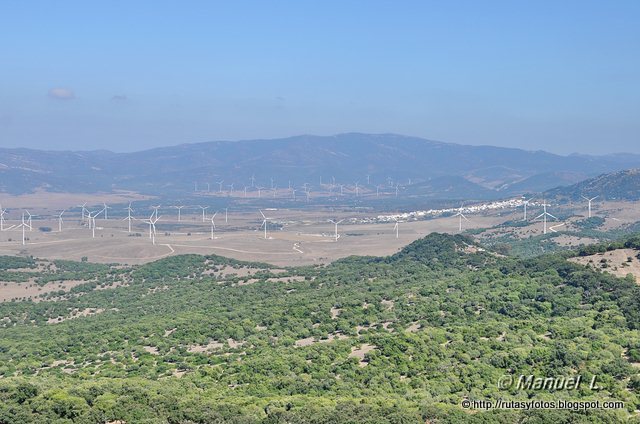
{"points": [[562, 76]]}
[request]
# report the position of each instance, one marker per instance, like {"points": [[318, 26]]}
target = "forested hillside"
{"points": [[399, 339]]}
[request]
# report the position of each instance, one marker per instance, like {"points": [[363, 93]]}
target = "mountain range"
{"points": [[422, 167]]}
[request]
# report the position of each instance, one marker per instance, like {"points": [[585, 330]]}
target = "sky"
{"points": [[561, 76]]}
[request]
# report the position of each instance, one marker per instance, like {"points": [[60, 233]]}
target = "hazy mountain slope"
{"points": [[347, 158], [621, 185]]}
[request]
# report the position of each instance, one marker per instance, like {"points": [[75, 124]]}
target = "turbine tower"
{"points": [[213, 225], [29, 223], [129, 217], [204, 208], [23, 225], [220, 184], [461, 216], [397, 227], [105, 210], [152, 227], [525, 203], [589, 200], [264, 223], [60, 221], [544, 215], [335, 223], [2, 212], [179, 208]]}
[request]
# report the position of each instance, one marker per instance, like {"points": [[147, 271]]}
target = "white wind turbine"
{"points": [[260, 191], [253, 180], [264, 223], [335, 223], [2, 212], [204, 214], [230, 189], [84, 210], [397, 227], [357, 188], [525, 203], [155, 209], [245, 191], [589, 200], [226, 215], [129, 217], [220, 184], [461, 216], [23, 225], [179, 208], [29, 223], [105, 210], [544, 215], [213, 225], [152, 227], [60, 221], [91, 217]]}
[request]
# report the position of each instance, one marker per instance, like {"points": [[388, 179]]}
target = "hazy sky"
{"points": [[563, 76]]}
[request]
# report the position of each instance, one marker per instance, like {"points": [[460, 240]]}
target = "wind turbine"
{"points": [[129, 217], [226, 215], [2, 212], [23, 225], [544, 215], [204, 208], [525, 202], [368, 179], [155, 209], [29, 224], [230, 189], [92, 222], [589, 200], [84, 210], [260, 191], [357, 189], [253, 180], [179, 208], [397, 227], [152, 227], [213, 225], [461, 216], [264, 223], [220, 184], [105, 210], [245, 191], [378, 190], [335, 223], [60, 221]]}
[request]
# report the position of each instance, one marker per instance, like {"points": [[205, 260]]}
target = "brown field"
{"points": [[303, 238], [295, 236]]}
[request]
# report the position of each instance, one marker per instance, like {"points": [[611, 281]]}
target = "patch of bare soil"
{"points": [[360, 352], [30, 290], [311, 340], [618, 262]]}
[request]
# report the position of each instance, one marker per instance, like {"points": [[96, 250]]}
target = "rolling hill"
{"points": [[621, 185]]}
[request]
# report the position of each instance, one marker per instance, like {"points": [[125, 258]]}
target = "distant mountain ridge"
{"points": [[421, 166], [620, 185]]}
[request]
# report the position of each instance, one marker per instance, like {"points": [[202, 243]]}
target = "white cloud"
{"points": [[61, 93]]}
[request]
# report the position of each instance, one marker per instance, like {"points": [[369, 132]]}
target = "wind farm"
{"points": [[280, 231]]}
